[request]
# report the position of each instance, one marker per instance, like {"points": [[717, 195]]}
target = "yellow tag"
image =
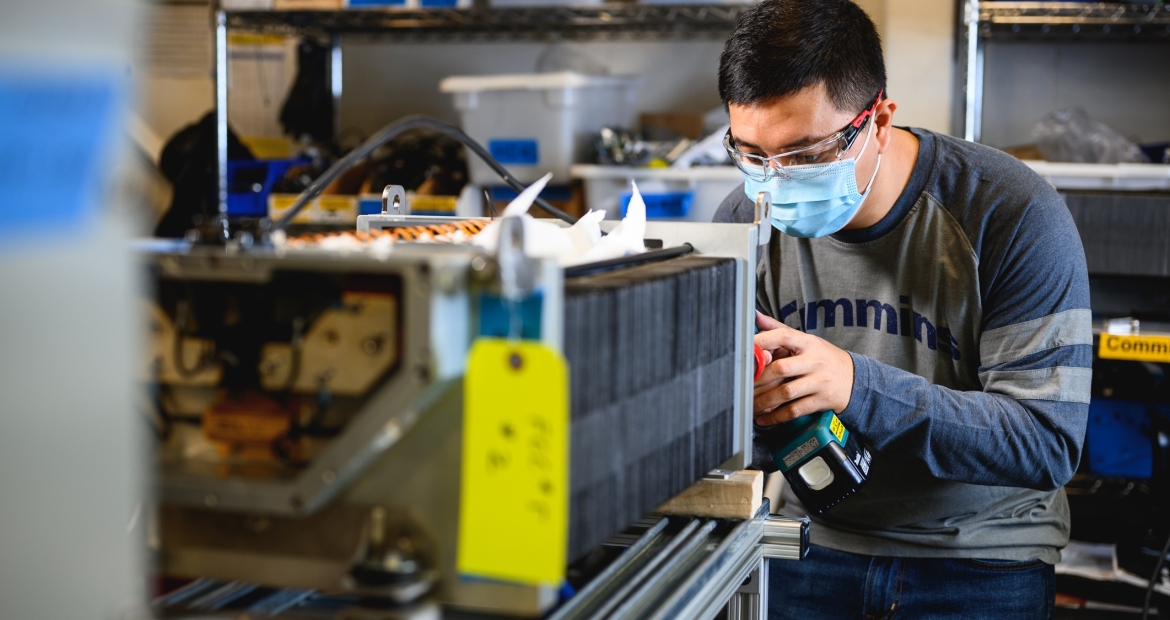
{"points": [[837, 428], [434, 204], [252, 38], [1136, 348], [337, 208], [514, 510], [264, 147], [279, 204]]}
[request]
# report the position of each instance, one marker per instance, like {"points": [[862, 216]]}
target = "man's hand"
{"points": [[805, 374]]}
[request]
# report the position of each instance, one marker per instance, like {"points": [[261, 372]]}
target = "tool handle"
{"points": [[758, 353]]}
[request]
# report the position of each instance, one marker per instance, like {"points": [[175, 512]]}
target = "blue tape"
{"points": [[56, 139]]}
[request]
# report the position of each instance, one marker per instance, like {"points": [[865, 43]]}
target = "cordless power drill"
{"points": [[823, 462]]}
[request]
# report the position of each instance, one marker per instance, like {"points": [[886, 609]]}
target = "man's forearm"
{"points": [[969, 436]]}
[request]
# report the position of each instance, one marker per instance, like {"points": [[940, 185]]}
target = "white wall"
{"points": [[918, 40], [919, 44], [173, 66]]}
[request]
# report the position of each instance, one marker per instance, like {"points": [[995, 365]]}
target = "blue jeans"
{"points": [[836, 585]]}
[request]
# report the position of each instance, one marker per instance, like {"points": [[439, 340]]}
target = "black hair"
{"points": [[780, 47]]}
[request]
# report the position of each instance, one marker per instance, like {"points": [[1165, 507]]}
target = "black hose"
{"points": [[387, 134]]}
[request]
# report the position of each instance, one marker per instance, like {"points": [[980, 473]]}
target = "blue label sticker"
{"points": [[55, 137], [515, 151]]}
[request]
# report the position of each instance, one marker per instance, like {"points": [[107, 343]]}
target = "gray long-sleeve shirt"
{"points": [[966, 311]]}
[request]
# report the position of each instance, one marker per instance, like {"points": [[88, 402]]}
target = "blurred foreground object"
{"points": [[69, 468]]}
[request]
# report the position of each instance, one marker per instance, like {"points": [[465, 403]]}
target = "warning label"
{"points": [[837, 428], [804, 450]]}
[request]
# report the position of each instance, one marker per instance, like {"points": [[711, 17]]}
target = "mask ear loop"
{"points": [[878, 166], [864, 145]]}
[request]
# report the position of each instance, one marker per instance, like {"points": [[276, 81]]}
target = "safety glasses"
{"points": [[759, 168]]}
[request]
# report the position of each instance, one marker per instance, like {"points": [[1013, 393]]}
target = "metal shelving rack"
{"points": [[579, 23], [1052, 21], [522, 23]]}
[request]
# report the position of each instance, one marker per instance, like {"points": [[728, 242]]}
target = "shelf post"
{"points": [[221, 122], [973, 72], [335, 81]]}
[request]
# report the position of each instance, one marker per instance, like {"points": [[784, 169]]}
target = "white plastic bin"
{"points": [[538, 123], [681, 194]]}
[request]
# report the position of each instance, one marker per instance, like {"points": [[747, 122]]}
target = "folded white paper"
{"points": [[580, 243]]}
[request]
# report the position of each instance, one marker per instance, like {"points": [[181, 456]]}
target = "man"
{"points": [[933, 293]]}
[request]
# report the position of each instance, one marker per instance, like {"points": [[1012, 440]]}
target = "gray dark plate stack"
{"points": [[651, 353]]}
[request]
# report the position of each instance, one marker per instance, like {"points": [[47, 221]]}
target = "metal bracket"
{"points": [[394, 201], [785, 538], [750, 601], [719, 474], [764, 217], [517, 269]]}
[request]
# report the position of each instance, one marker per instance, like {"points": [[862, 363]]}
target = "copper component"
{"points": [[438, 233]]}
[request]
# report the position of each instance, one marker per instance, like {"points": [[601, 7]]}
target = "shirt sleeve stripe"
{"points": [[1061, 383], [1078, 356], [1011, 342]]}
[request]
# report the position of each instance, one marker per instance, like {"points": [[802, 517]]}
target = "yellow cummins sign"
{"points": [[1136, 348]]}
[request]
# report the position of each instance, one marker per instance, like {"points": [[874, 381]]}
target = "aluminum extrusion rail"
{"points": [[691, 568], [1073, 20]]}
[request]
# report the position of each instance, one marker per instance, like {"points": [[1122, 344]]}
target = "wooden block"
{"points": [[738, 497]]}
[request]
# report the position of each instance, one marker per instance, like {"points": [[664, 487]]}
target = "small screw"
{"points": [[371, 346], [515, 361], [328, 476], [210, 500]]}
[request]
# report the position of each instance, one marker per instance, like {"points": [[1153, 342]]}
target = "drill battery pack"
{"points": [[822, 461]]}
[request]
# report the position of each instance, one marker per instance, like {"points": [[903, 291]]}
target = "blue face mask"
{"points": [[815, 200]]}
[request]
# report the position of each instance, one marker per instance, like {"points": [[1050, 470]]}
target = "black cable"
{"points": [[1154, 579], [387, 134], [488, 197], [621, 262]]}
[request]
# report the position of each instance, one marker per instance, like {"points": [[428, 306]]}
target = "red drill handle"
{"points": [[761, 363]]}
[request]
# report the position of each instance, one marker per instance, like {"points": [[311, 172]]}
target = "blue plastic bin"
{"points": [[250, 183], [665, 205]]}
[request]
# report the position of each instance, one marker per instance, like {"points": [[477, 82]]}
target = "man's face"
{"points": [[788, 123]]}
